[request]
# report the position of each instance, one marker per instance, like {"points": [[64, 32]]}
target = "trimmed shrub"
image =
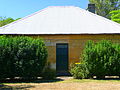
{"points": [[102, 58], [21, 56], [6, 59], [99, 59], [79, 71]]}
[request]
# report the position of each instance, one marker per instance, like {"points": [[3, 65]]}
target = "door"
{"points": [[62, 58]]}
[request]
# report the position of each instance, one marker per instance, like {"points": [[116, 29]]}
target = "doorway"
{"points": [[62, 58]]}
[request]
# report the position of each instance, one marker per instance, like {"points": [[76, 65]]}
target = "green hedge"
{"points": [[102, 58], [21, 56], [79, 71]]}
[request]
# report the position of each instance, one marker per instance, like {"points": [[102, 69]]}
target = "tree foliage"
{"points": [[115, 15], [5, 21], [103, 7]]}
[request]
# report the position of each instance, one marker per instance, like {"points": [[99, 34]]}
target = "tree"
{"points": [[115, 15], [4, 20], [103, 7]]}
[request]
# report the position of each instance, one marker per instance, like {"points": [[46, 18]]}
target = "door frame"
{"points": [[67, 53]]}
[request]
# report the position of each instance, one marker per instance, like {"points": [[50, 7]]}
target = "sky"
{"points": [[21, 8]]}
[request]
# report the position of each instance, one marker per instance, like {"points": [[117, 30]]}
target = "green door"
{"points": [[62, 58]]}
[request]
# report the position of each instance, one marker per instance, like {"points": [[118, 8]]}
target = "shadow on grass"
{"points": [[31, 80], [16, 87], [3, 83], [5, 87], [47, 81]]}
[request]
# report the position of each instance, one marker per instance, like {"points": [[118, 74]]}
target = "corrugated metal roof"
{"points": [[62, 20]]}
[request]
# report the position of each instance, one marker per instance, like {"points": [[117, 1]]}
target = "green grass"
{"points": [[31, 84], [88, 80]]}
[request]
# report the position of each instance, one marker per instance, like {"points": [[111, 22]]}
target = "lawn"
{"points": [[64, 84]]}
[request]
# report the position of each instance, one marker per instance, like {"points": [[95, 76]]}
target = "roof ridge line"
{"points": [[100, 16], [103, 18]]}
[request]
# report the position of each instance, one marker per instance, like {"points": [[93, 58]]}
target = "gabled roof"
{"points": [[62, 20]]}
